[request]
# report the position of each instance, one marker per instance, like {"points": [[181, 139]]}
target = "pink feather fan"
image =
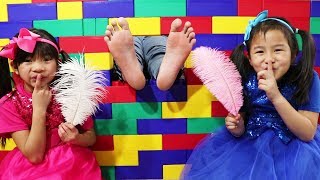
{"points": [[220, 76]]}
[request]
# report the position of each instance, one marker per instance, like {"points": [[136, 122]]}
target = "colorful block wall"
{"points": [[149, 134]]}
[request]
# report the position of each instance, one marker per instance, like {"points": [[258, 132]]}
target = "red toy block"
{"points": [[218, 110], [300, 22], [181, 141], [201, 25], [317, 69], [285, 8], [103, 143], [249, 7], [191, 78], [120, 92], [83, 44]]}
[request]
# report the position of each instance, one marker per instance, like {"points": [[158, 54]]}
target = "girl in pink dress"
{"points": [[46, 146]]}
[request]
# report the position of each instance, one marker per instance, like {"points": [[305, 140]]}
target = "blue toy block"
{"points": [[212, 8], [150, 164], [220, 41], [162, 126], [104, 112], [151, 93], [34, 11], [9, 29], [315, 9], [106, 9]]}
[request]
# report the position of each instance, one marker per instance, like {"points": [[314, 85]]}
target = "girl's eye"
{"points": [[28, 59], [47, 58], [259, 52], [278, 50]]}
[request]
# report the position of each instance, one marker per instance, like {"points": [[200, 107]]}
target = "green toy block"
{"points": [[315, 25], [89, 26], [101, 25], [136, 110], [108, 172], [203, 125], [120, 126], [75, 56], [160, 8], [61, 28]]}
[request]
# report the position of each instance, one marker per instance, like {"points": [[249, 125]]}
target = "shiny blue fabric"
{"points": [[267, 150]]}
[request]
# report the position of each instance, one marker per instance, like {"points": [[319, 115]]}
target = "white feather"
{"points": [[78, 90]]}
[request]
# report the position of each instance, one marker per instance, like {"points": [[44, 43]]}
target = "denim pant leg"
{"points": [[137, 40], [154, 48]]}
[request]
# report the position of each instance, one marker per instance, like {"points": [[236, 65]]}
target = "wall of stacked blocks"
{"points": [[149, 134]]}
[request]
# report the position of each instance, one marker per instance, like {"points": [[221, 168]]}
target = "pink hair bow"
{"points": [[26, 41]]}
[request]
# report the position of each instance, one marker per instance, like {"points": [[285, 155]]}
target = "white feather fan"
{"points": [[78, 90]]}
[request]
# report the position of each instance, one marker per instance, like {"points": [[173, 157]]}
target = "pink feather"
{"points": [[220, 76]]}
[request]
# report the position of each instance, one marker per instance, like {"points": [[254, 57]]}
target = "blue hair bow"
{"points": [[260, 17]]}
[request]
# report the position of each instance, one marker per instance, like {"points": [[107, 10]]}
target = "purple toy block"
{"points": [[151, 93], [212, 8], [315, 9], [106, 9], [221, 41], [9, 29], [162, 126], [34, 11], [105, 112], [107, 75], [151, 164], [317, 61]]}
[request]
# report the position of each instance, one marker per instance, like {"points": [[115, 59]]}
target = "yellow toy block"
{"points": [[4, 42], [9, 145], [3, 12], [16, 1], [137, 142], [230, 25], [143, 26], [186, 110], [188, 63], [98, 61], [64, 12], [198, 104], [172, 171], [199, 93], [117, 158]]}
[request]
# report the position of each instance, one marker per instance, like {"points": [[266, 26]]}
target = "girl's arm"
{"points": [[70, 134], [32, 143], [301, 123]]}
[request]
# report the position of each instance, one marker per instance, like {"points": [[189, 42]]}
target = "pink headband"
{"points": [[26, 41]]}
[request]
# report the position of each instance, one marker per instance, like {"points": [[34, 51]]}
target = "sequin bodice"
{"points": [[23, 103], [262, 115]]}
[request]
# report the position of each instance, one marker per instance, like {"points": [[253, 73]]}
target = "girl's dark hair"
{"points": [[300, 73], [42, 49]]}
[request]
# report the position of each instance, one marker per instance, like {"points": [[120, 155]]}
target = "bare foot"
{"points": [[120, 43], [179, 46]]}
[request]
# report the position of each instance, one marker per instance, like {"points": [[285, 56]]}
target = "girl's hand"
{"points": [[68, 132], [235, 124], [41, 96], [267, 82]]}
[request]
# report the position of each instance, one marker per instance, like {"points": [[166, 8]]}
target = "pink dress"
{"points": [[61, 161]]}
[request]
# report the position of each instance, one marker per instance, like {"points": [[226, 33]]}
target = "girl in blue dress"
{"points": [[275, 135]]}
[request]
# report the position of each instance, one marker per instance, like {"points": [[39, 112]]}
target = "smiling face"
{"points": [[271, 47], [31, 67]]}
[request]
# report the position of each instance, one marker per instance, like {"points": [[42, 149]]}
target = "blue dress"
{"points": [[267, 150]]}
